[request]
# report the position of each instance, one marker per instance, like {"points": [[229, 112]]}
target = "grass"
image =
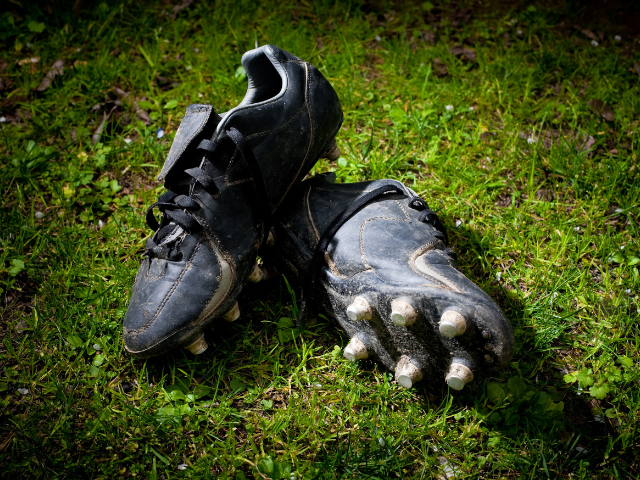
{"points": [[537, 184]]}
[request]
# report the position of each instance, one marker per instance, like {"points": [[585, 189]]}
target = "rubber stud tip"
{"points": [[452, 324], [458, 376], [359, 310], [407, 374], [199, 346], [233, 314], [402, 313], [257, 274], [332, 152], [355, 350]]}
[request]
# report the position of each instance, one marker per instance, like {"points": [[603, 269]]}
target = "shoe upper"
{"points": [[225, 174], [385, 251]]}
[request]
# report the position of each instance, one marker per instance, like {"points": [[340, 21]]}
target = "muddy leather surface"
{"points": [[384, 253], [289, 116]]}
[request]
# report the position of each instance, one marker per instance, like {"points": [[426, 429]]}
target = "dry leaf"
{"points": [[179, 7], [590, 34], [429, 36], [56, 69], [598, 106], [26, 61], [439, 68], [466, 54]]}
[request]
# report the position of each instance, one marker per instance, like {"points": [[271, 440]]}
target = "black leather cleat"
{"points": [[225, 175], [374, 256]]}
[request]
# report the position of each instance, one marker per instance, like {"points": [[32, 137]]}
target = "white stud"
{"points": [[271, 240], [407, 373], [452, 324], [257, 274], [355, 350], [359, 310], [233, 314], [458, 376], [199, 346], [402, 313], [332, 152]]}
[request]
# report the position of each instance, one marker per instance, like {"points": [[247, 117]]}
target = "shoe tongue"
{"points": [[199, 122], [168, 233]]}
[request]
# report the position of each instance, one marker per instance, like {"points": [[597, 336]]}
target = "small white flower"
{"points": [[23, 391], [628, 291], [499, 276], [519, 32], [100, 226], [458, 223], [580, 449], [617, 38], [78, 49], [378, 38], [160, 132], [448, 108], [197, 50], [531, 140], [29, 44], [127, 140], [622, 247], [3, 119], [488, 159], [39, 214], [200, 95], [594, 43], [471, 109], [618, 210], [381, 442], [182, 466], [189, 67], [576, 229]]}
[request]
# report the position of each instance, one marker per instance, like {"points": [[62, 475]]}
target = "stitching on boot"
{"points": [[155, 277], [273, 130], [332, 266], [149, 322], [437, 279], [311, 222], [307, 104], [406, 214], [362, 255], [215, 244]]}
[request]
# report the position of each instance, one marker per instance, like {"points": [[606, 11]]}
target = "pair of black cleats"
{"points": [[372, 254]]}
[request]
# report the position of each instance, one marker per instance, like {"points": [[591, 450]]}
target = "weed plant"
{"points": [[517, 123]]}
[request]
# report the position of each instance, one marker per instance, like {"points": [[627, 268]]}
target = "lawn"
{"points": [[518, 123]]}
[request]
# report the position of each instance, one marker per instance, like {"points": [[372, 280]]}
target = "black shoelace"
{"points": [[426, 216], [179, 209]]}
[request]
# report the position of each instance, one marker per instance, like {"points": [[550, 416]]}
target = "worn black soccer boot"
{"points": [[374, 256], [225, 175]]}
